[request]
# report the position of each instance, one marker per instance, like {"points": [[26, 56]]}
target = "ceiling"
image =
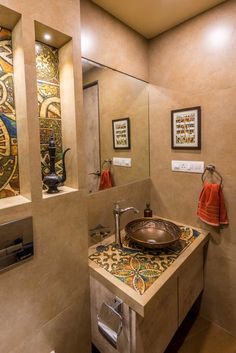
{"points": [[152, 17]]}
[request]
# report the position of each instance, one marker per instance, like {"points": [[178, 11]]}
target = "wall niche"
{"points": [[9, 171], [49, 103], [57, 110]]}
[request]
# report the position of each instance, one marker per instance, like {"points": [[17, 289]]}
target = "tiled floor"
{"points": [[197, 335], [201, 336]]}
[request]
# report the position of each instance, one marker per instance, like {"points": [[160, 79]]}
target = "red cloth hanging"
{"points": [[211, 206], [105, 180]]}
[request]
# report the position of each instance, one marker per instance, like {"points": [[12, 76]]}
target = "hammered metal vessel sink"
{"points": [[152, 232]]}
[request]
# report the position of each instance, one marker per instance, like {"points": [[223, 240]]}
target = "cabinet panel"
{"points": [[99, 295], [155, 330], [190, 283]]}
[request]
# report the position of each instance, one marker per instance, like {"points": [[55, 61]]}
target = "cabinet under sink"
{"points": [[150, 317]]}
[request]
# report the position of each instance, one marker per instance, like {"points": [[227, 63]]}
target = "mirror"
{"points": [[116, 115]]}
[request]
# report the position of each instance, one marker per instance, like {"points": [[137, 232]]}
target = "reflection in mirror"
{"points": [[109, 96]]}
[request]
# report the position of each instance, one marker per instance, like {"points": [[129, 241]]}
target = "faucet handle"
{"points": [[116, 204], [119, 201]]}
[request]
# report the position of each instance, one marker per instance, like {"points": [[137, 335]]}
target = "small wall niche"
{"points": [[14, 150], [8, 17], [56, 100], [9, 167], [49, 103]]}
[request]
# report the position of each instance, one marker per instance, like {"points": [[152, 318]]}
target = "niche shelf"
{"points": [[9, 202], [14, 179], [56, 101], [63, 190]]}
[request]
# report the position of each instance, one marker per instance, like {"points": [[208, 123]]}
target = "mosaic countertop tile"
{"points": [[140, 268]]}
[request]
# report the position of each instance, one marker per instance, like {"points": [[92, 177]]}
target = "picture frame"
{"points": [[121, 134], [186, 128]]}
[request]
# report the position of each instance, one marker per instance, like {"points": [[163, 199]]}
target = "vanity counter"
{"points": [[157, 289], [136, 277]]}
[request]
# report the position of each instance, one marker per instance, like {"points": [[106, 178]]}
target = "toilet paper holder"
{"points": [[109, 321]]}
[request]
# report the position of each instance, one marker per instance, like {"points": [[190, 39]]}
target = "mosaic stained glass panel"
{"points": [[47, 66], [9, 173]]}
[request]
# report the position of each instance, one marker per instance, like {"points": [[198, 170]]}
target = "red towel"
{"points": [[105, 180], [211, 206]]}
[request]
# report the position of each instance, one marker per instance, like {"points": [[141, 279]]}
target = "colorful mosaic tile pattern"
{"points": [[9, 173], [47, 67], [139, 268]]}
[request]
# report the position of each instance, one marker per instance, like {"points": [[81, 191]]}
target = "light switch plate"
{"points": [[122, 162], [187, 166]]}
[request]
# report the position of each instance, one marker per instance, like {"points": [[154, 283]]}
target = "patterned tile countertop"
{"points": [[139, 268]]}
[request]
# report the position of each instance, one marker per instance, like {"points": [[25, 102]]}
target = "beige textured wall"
{"points": [[109, 42], [122, 96], [189, 66], [44, 303]]}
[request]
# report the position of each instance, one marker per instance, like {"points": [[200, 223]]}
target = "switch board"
{"points": [[187, 166], [122, 162]]}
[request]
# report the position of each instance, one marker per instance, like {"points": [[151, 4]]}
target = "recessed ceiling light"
{"points": [[219, 36], [47, 36]]}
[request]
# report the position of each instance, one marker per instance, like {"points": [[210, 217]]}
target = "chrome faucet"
{"points": [[117, 212]]}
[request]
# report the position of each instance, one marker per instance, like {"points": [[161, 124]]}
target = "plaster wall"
{"points": [[190, 65], [108, 41], [44, 302]]}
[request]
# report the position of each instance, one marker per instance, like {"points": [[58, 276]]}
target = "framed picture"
{"points": [[121, 133], [186, 128]]}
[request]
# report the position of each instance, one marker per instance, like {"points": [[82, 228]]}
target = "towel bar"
{"points": [[212, 169]]}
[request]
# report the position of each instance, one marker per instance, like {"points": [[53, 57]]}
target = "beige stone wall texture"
{"points": [[190, 65], [45, 302], [109, 42]]}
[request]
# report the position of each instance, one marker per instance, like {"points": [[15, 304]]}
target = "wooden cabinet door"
{"points": [[190, 283], [155, 330]]}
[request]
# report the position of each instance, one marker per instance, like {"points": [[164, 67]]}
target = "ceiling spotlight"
{"points": [[219, 37], [47, 36]]}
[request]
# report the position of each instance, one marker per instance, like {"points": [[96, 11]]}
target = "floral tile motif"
{"points": [[49, 103], [9, 174], [139, 268]]}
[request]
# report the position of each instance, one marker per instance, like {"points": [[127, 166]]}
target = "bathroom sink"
{"points": [[152, 232]]}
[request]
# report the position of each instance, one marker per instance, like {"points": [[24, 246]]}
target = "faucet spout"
{"points": [[123, 210], [117, 212]]}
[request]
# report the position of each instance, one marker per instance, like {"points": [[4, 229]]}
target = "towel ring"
{"points": [[212, 169], [108, 162]]}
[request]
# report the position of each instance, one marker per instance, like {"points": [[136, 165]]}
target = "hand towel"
{"points": [[105, 180], [211, 206]]}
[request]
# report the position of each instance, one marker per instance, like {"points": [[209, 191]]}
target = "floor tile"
{"points": [[213, 339]]}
